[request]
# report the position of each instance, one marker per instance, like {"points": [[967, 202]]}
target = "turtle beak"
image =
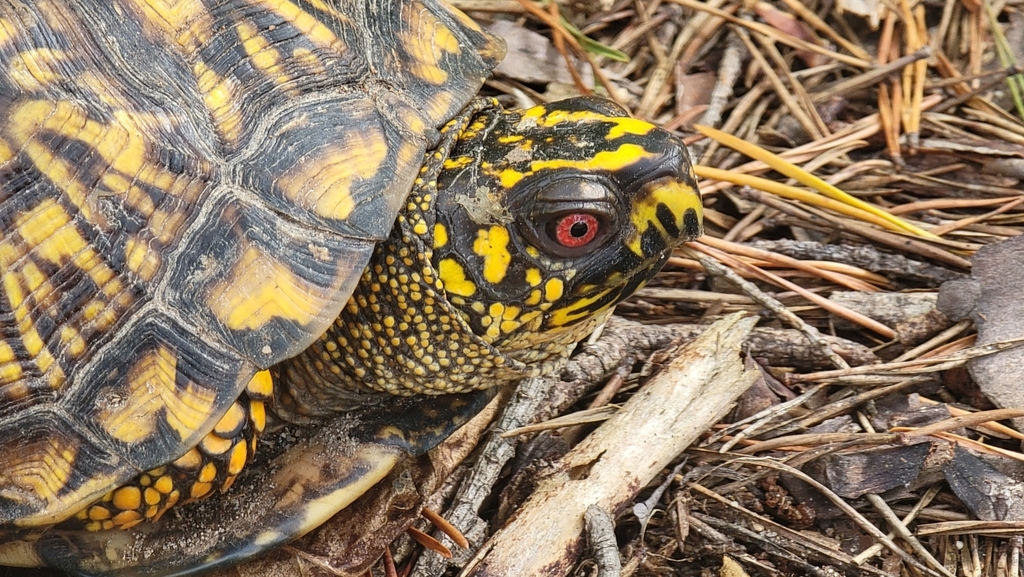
{"points": [[670, 210], [683, 203]]}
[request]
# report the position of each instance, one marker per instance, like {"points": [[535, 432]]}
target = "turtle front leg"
{"points": [[212, 464]]}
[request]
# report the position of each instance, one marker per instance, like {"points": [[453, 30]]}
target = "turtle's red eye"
{"points": [[576, 229]]}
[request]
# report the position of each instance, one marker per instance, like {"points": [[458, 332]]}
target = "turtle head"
{"points": [[547, 217]]}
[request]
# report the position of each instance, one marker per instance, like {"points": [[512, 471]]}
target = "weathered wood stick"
{"points": [[608, 468]]}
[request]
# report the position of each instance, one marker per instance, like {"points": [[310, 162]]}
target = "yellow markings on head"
{"points": [[620, 125], [607, 160], [492, 245], [259, 289], [509, 319], [534, 298], [530, 317], [454, 278], [131, 412], [324, 184], [440, 235], [626, 125], [577, 309], [420, 228], [509, 177], [553, 289], [533, 276], [458, 162], [676, 196]]}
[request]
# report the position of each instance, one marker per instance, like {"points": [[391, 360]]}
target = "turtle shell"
{"points": [[189, 191]]}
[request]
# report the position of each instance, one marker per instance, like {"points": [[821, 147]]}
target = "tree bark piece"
{"points": [[867, 257], [913, 315], [608, 468]]}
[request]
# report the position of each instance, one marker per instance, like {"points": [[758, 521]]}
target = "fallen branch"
{"points": [[611, 465]]}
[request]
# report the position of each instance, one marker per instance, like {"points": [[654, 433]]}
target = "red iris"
{"points": [[576, 229]]}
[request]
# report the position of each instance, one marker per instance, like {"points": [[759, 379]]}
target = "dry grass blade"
{"points": [[429, 542], [738, 249], [447, 528], [791, 170], [794, 193], [775, 34]]}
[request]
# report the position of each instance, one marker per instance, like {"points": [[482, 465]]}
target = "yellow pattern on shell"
{"points": [[310, 28], [185, 22], [263, 55], [323, 184], [10, 368], [427, 41], [151, 393], [259, 289]]}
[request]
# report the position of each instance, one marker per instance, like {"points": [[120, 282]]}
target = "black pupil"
{"points": [[579, 229]]}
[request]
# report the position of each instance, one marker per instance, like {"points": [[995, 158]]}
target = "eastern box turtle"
{"points": [[219, 215]]}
